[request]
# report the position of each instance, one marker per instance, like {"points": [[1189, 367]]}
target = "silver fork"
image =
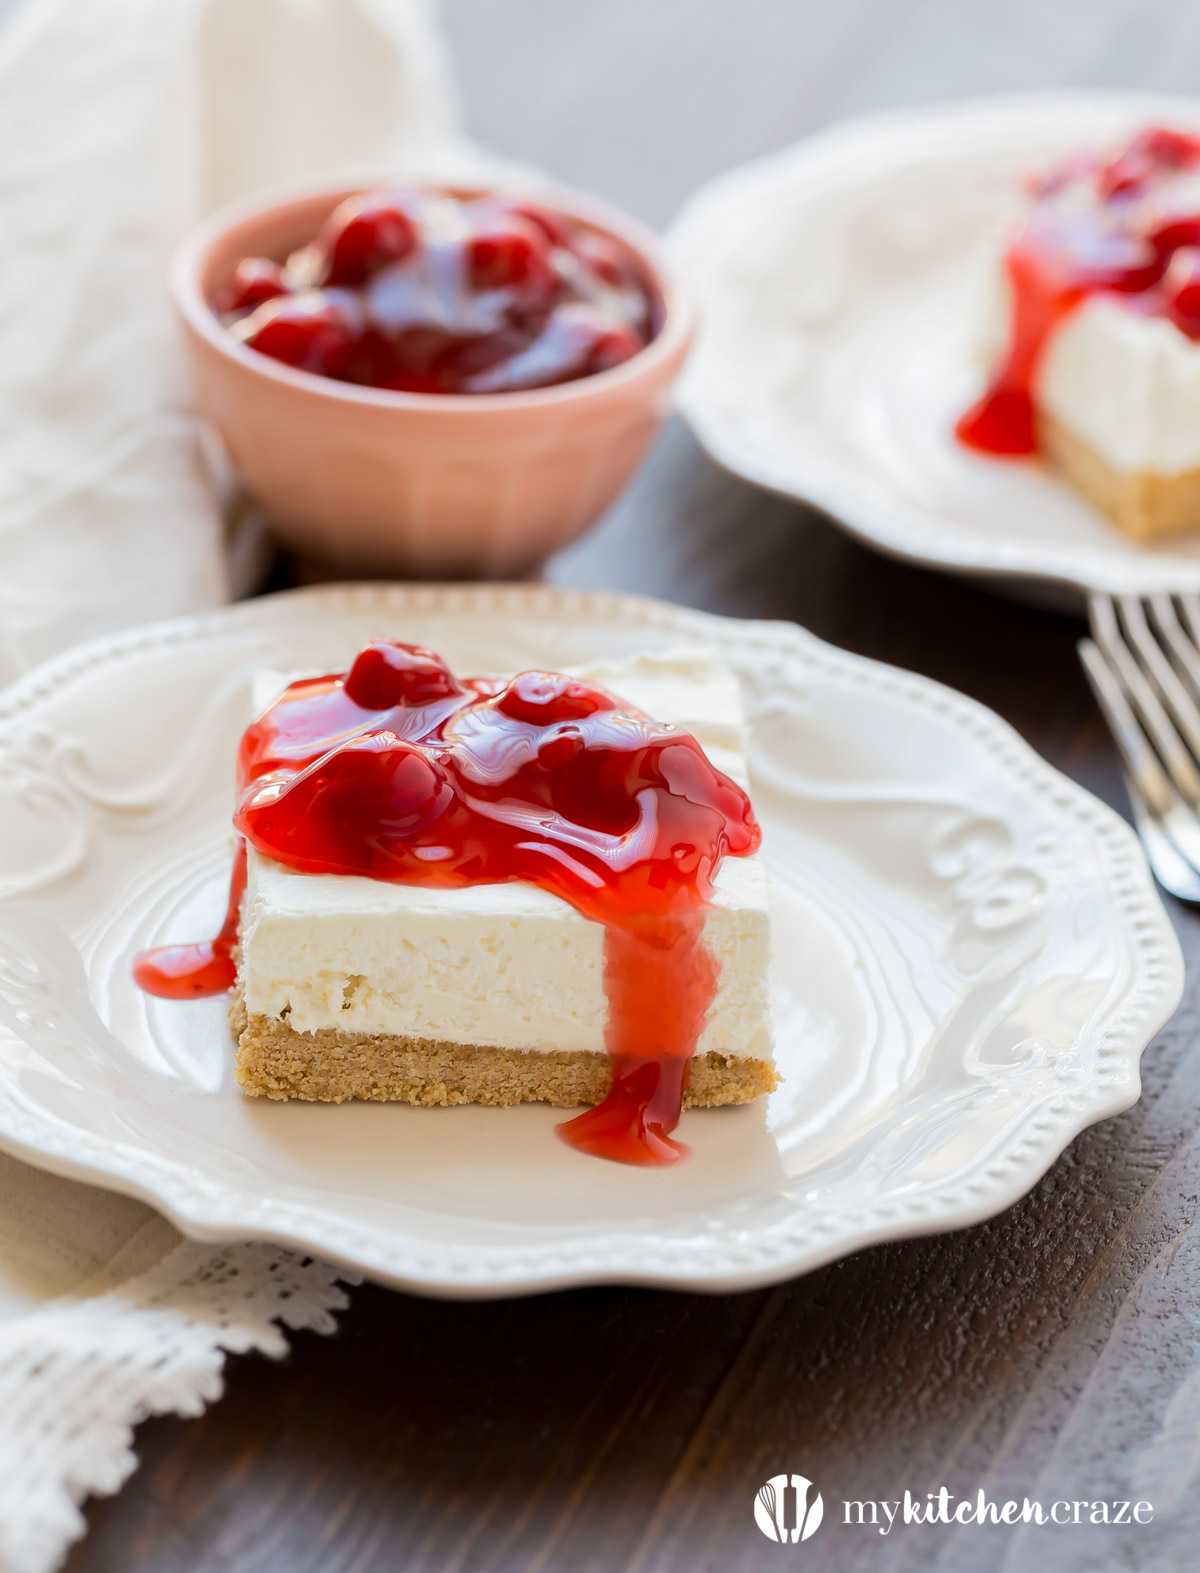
{"points": [[1143, 662]]}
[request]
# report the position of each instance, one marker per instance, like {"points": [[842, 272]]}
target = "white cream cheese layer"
{"points": [[1127, 384], [507, 965]]}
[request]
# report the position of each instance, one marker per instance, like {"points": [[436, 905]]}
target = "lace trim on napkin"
{"points": [[79, 1374]]}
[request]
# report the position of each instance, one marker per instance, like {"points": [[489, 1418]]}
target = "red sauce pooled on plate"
{"points": [[399, 770], [427, 292], [192, 972], [1128, 224]]}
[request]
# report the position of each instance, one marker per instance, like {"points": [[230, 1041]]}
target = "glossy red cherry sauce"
{"points": [[189, 972], [399, 770], [1128, 224], [426, 292]]}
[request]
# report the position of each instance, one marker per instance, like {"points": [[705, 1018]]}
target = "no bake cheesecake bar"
{"points": [[355, 987], [1097, 365]]}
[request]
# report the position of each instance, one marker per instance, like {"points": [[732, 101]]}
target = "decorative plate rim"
{"points": [[219, 1210], [900, 530]]}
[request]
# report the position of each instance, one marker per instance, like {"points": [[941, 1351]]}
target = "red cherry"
{"points": [[377, 787], [1181, 290], [370, 359], [1175, 230], [458, 360], [364, 234], [510, 252], [1174, 149], [388, 673], [576, 340], [1125, 173], [549, 698], [613, 348], [560, 748], [1147, 155], [554, 228], [312, 332], [255, 280], [610, 262], [1088, 256]]}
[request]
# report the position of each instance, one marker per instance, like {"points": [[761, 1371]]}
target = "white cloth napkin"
{"points": [[122, 122]]}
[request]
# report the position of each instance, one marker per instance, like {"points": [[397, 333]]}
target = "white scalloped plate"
{"points": [[842, 283], [971, 960]]}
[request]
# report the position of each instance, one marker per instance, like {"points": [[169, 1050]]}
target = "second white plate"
{"points": [[841, 282], [971, 958]]}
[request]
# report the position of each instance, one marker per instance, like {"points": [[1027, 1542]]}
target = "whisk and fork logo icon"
{"points": [[788, 1509]]}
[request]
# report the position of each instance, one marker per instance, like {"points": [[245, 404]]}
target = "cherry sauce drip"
{"points": [[188, 972], [398, 770]]}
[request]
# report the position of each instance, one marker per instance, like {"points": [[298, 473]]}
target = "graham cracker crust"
{"points": [[275, 1061], [1144, 505]]}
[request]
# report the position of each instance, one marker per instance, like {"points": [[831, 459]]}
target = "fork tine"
{"points": [[1140, 759], [1183, 647], [1172, 816], [1182, 705], [1189, 602], [1180, 765]]}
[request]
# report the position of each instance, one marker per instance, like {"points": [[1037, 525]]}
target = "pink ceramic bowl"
{"points": [[364, 480]]}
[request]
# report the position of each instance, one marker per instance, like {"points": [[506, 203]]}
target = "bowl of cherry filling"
{"points": [[429, 381]]}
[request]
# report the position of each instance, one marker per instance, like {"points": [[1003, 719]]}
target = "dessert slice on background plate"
{"points": [[846, 284], [1098, 365], [351, 987]]}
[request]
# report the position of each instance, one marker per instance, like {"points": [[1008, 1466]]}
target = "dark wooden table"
{"points": [[1053, 1352]]}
